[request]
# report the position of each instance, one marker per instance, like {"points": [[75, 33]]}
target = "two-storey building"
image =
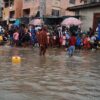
{"points": [[12, 9], [89, 13], [49, 9]]}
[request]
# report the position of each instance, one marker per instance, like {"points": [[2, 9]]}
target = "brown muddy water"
{"points": [[53, 77]]}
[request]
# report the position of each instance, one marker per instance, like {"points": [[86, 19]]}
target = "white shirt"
{"points": [[67, 36], [93, 38]]}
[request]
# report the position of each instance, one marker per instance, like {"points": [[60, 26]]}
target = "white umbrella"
{"points": [[71, 21], [36, 22]]}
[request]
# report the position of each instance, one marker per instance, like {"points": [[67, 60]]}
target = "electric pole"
{"points": [[1, 5], [42, 8]]}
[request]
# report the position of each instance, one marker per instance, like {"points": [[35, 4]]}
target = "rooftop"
{"points": [[84, 6]]}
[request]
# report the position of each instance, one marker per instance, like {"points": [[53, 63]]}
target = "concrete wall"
{"points": [[71, 13], [60, 5], [87, 16], [50, 4], [48, 7], [32, 5], [5, 14], [20, 5], [18, 8]]}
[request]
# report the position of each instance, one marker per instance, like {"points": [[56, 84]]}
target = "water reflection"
{"points": [[51, 77]]}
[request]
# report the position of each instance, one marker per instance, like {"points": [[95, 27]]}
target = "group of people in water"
{"points": [[43, 37]]}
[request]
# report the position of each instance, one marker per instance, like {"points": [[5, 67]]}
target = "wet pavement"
{"points": [[53, 77]]}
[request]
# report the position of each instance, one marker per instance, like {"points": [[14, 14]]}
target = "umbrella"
{"points": [[17, 22], [36, 22], [71, 21]]}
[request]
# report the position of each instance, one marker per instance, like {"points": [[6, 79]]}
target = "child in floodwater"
{"points": [[16, 37], [72, 43]]}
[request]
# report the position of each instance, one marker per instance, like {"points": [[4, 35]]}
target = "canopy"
{"points": [[71, 21]]}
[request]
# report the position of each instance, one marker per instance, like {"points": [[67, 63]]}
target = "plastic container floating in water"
{"points": [[16, 59]]}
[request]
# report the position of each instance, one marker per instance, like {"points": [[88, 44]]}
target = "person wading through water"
{"points": [[72, 42], [42, 40]]}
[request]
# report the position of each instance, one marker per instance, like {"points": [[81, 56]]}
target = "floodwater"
{"points": [[53, 77]]}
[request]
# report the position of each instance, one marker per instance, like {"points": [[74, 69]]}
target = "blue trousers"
{"points": [[71, 50]]}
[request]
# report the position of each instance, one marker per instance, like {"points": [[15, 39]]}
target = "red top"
{"points": [[72, 41]]}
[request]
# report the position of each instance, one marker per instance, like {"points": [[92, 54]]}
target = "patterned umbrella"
{"points": [[36, 22], [71, 21]]}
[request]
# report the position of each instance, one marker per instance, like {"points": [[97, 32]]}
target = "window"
{"points": [[26, 12], [9, 3], [6, 3], [55, 12], [12, 13], [72, 1], [27, 0], [77, 13]]}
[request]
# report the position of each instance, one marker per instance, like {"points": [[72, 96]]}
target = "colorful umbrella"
{"points": [[71, 21], [36, 22]]}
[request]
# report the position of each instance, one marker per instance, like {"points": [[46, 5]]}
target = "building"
{"points": [[31, 7], [89, 13], [71, 3], [49, 9], [12, 9], [1, 6]]}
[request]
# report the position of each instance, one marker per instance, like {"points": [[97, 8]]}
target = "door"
{"points": [[96, 20]]}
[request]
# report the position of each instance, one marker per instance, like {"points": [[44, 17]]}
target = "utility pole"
{"points": [[1, 5], [42, 8]]}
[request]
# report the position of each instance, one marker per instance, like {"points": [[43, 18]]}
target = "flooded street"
{"points": [[53, 77]]}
